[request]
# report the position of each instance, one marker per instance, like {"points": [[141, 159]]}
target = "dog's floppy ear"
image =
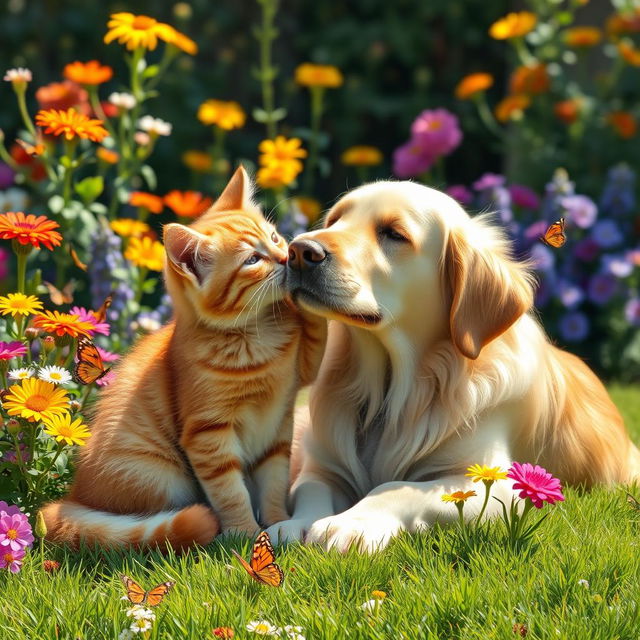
{"points": [[488, 290], [188, 252]]}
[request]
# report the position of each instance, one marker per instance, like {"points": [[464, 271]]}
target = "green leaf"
{"points": [[90, 188], [260, 115], [151, 71], [149, 286], [278, 114], [55, 204], [149, 175]]}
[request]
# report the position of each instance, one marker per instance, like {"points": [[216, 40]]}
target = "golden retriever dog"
{"points": [[435, 361]]}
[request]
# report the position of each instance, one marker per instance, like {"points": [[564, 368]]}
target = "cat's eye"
{"points": [[275, 238], [391, 234], [253, 259]]}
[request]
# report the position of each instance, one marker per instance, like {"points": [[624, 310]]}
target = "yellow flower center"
{"points": [[19, 304], [8, 557], [65, 431], [12, 534], [37, 402], [262, 627], [54, 375], [142, 23], [434, 125]]}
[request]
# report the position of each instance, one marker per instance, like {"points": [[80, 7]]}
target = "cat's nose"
{"points": [[305, 254]]}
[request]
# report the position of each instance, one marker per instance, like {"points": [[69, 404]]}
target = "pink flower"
{"points": [[4, 263], [12, 456], [10, 350], [89, 316], [524, 197], [107, 356], [412, 159], [11, 560], [15, 532], [460, 193], [535, 483], [8, 509], [107, 379], [438, 130]]}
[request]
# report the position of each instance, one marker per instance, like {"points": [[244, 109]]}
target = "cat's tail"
{"points": [[72, 523]]}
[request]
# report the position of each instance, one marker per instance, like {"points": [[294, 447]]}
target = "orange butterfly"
{"points": [[137, 595], [76, 259], [59, 297], [262, 567], [33, 150], [89, 367], [555, 236], [101, 313]]}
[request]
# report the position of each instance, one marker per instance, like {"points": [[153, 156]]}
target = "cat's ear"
{"points": [[188, 252], [237, 194]]}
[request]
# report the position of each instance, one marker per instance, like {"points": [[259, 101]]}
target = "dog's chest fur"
{"points": [[368, 439]]}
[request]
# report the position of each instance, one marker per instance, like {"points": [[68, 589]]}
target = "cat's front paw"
{"points": [[293, 530]]}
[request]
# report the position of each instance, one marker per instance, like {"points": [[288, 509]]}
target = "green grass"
{"points": [[436, 588]]}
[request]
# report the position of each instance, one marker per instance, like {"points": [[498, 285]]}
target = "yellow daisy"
{"points": [[19, 304], [276, 176], [128, 227], [145, 253], [280, 150], [318, 75], [482, 472], [458, 496], [35, 400], [63, 429], [513, 25], [137, 31], [226, 115]]}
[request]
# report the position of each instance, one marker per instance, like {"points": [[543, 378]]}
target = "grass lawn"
{"points": [[436, 589]]}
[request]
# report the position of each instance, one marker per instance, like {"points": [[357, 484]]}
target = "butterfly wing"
{"points": [[555, 235], [135, 593], [247, 567], [271, 575], [60, 297], [101, 313], [89, 366], [156, 595], [76, 259], [263, 562]]}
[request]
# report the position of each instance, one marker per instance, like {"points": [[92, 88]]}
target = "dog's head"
{"points": [[399, 254]]}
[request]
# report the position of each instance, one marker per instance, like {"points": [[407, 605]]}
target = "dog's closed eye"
{"points": [[390, 233]]}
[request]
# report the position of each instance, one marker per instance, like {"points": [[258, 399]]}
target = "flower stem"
{"points": [[317, 94], [22, 271], [97, 107], [486, 116], [266, 35], [487, 489], [85, 397], [22, 105]]}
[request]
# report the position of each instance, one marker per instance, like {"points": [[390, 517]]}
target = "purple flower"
{"points": [[12, 456], [11, 560], [412, 159], [460, 193], [632, 312], [586, 250], [580, 210], [619, 265], [618, 197], [607, 234], [15, 532], [570, 295], [536, 230], [489, 181], [535, 483], [7, 175], [574, 326], [9, 509], [602, 287], [10, 350], [438, 131], [90, 317], [542, 257], [524, 197]]}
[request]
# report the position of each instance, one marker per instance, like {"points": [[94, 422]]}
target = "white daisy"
{"points": [[20, 374], [57, 375], [126, 634], [371, 606], [122, 100], [155, 126], [140, 625], [13, 199], [138, 612], [18, 75], [584, 583], [293, 632], [262, 628]]}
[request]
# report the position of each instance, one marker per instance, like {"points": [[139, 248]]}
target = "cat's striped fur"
{"points": [[199, 419]]}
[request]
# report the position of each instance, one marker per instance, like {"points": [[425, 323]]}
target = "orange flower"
{"points": [[189, 204], [91, 72], [148, 201], [63, 95], [226, 115], [623, 123], [361, 156], [511, 107], [276, 176], [309, 207], [530, 80], [567, 111], [582, 37], [137, 31], [107, 155], [473, 84], [199, 161], [513, 25], [62, 324], [71, 124], [623, 23], [29, 229], [318, 75], [184, 43], [23, 159], [629, 53]]}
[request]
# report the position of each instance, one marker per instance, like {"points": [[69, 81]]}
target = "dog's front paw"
{"points": [[293, 530], [367, 531]]}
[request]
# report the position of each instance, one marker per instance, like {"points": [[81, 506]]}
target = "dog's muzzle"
{"points": [[306, 254]]}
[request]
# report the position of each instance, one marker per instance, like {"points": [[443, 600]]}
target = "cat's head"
{"points": [[229, 265]]}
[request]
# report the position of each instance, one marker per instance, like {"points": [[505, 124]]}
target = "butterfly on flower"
{"points": [[151, 598], [89, 366], [555, 236], [262, 566]]}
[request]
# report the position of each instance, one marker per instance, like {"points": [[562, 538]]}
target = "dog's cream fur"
{"points": [[434, 362]]}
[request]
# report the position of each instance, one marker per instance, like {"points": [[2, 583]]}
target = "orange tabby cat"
{"points": [[205, 404]]}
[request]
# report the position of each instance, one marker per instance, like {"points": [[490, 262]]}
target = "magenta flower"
{"points": [[489, 181], [535, 483], [107, 356], [11, 560], [460, 193], [412, 159], [8, 509], [107, 379], [10, 350], [4, 263], [438, 130], [524, 197], [15, 532], [89, 316]]}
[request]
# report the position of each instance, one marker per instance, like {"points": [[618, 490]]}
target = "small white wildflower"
{"points": [[57, 375], [293, 632], [584, 583], [262, 628], [139, 612], [20, 374], [155, 126], [140, 625], [122, 100], [141, 138], [18, 75], [371, 606], [126, 634]]}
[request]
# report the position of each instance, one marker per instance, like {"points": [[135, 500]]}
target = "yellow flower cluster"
{"points": [[280, 162], [318, 75], [145, 253], [225, 115]]}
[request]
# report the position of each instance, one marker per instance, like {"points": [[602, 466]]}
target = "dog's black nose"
{"points": [[304, 254]]}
